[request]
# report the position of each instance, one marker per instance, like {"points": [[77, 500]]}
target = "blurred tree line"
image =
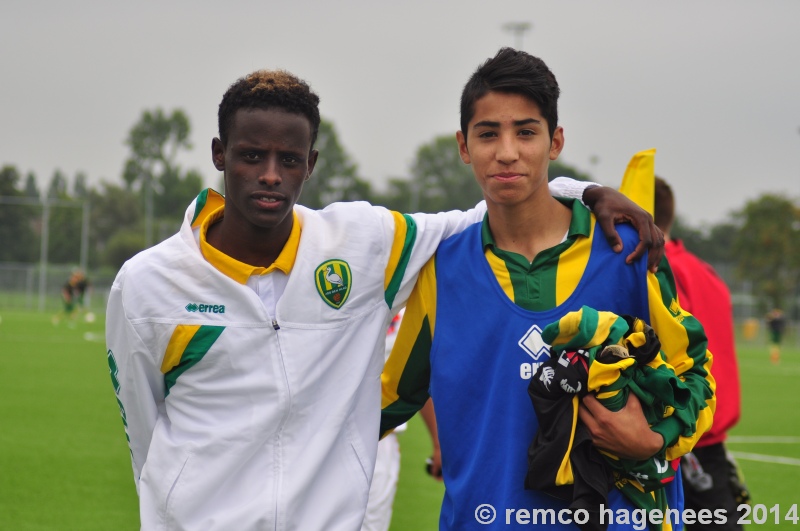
{"points": [[760, 241]]}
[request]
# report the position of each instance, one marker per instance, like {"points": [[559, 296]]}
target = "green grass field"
{"points": [[64, 463]]}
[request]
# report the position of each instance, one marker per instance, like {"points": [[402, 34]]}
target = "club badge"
{"points": [[333, 279]]}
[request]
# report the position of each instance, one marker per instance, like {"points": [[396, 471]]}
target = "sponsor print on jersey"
{"points": [[113, 369], [533, 344], [333, 279], [205, 308]]}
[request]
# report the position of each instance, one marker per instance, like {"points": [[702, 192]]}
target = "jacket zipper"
{"points": [[279, 524]]}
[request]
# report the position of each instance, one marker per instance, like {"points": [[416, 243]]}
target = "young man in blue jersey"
{"points": [[247, 372], [471, 335]]}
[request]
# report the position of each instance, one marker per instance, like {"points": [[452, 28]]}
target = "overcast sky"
{"points": [[713, 85]]}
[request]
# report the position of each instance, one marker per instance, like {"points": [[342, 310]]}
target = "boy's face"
{"points": [[266, 160], [509, 147]]}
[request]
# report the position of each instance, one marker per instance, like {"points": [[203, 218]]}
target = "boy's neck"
{"points": [[257, 249], [530, 228]]}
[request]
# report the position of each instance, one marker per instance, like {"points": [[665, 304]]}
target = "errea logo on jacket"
{"points": [[205, 308]]}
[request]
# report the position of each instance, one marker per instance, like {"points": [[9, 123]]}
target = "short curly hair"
{"points": [[267, 89]]}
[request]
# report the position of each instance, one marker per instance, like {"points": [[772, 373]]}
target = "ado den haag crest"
{"points": [[333, 279]]}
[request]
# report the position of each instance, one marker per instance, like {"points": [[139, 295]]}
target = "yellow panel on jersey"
{"points": [[187, 347], [602, 375], [639, 180], [572, 264], [684, 343], [405, 234], [398, 244], [415, 334], [564, 475], [207, 201], [500, 270], [181, 337]]}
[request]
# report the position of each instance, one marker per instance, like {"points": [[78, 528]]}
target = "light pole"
{"points": [[518, 29]]}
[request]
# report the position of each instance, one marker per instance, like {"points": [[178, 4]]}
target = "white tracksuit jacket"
{"points": [[264, 422], [273, 425]]}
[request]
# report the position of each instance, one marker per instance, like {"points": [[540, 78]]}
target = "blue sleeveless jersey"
{"points": [[485, 350]]}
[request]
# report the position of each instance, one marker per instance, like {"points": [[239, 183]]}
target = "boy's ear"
{"points": [[462, 147], [218, 154], [312, 162], [557, 143]]}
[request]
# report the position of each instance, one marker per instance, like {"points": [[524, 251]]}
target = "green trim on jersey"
{"points": [[200, 202], [402, 264], [113, 370], [198, 346], [416, 369], [669, 294], [535, 283]]}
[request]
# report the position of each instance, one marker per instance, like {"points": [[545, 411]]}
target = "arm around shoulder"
{"points": [[415, 239], [611, 207], [570, 188]]}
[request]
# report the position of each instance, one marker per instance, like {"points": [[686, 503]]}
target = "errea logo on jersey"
{"points": [[205, 308], [533, 344]]}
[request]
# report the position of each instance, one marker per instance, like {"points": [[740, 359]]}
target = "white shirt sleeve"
{"points": [[570, 188], [424, 234]]}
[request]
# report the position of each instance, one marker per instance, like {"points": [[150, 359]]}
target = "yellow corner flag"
{"points": [[639, 181]]}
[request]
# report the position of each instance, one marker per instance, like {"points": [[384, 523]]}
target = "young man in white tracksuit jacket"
{"points": [[246, 350]]}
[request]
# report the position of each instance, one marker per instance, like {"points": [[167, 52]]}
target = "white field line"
{"points": [[763, 439], [766, 458]]}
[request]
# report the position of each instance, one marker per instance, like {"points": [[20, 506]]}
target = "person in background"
{"points": [[73, 293], [776, 322], [710, 475]]}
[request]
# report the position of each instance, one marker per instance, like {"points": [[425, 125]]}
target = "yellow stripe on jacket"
{"points": [[181, 337]]}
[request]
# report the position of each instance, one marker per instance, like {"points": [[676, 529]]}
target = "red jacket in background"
{"points": [[702, 293]]}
